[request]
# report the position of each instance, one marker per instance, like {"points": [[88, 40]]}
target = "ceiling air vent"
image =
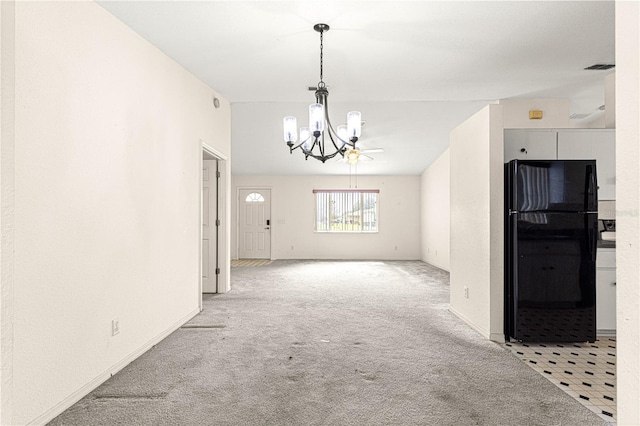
{"points": [[599, 67]]}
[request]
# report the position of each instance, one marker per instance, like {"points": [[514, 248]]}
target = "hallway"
{"points": [[329, 343]]}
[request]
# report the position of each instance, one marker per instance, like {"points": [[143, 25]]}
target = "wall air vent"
{"points": [[599, 67]]}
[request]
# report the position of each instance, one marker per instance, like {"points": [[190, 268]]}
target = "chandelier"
{"points": [[320, 140]]}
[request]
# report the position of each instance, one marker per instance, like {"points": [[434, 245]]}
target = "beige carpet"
{"points": [[329, 343]]}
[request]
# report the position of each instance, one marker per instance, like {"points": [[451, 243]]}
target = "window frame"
{"points": [[259, 199], [344, 192]]}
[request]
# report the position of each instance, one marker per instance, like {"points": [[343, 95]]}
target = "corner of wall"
{"points": [[610, 101], [476, 171], [470, 174], [435, 213], [496, 150], [7, 206], [627, 201]]}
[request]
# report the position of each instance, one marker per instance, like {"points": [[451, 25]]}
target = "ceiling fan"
{"points": [[355, 155]]}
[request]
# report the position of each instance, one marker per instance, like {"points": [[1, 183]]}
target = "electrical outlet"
{"points": [[466, 292], [396, 248], [115, 326]]}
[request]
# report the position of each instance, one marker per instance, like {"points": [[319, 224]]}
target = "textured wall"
{"points": [[292, 217], [108, 135], [555, 113], [470, 220], [434, 213], [476, 153], [628, 214]]}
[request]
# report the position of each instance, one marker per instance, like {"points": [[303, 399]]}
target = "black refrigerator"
{"points": [[551, 232]]}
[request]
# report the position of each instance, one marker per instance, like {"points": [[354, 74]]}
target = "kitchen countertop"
{"points": [[606, 244]]}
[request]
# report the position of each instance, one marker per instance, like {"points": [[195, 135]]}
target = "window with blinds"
{"points": [[346, 210]]}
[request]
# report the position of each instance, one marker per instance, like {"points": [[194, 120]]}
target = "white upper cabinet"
{"points": [[599, 145], [529, 145], [569, 144]]}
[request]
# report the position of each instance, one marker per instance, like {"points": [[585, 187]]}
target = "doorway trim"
{"points": [[222, 196], [237, 218]]}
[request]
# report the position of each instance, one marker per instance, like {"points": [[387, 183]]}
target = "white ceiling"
{"points": [[415, 69]]}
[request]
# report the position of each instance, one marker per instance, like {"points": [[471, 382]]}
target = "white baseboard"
{"points": [[497, 337], [480, 330], [76, 396], [436, 265]]}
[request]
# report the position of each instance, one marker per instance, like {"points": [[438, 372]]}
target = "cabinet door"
{"points": [[605, 298], [529, 145], [599, 145]]}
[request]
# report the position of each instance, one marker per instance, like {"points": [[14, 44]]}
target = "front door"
{"points": [[254, 220]]}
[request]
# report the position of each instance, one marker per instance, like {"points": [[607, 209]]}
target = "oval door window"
{"points": [[254, 197]]}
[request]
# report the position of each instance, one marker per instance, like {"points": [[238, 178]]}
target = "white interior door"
{"points": [[254, 224], [209, 229]]}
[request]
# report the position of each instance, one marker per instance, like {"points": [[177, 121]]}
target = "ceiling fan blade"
{"points": [[372, 150]]}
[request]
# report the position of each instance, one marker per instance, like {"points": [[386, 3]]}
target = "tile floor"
{"points": [[250, 262], [585, 371]]}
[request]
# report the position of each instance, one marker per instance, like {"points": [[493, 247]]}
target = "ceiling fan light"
{"points": [[290, 129], [352, 156], [354, 124], [316, 119]]}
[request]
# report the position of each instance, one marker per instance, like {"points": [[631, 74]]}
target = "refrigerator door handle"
{"points": [[592, 191], [593, 241]]}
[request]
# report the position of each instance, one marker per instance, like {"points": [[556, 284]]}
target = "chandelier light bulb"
{"points": [[343, 135], [316, 119], [290, 129], [305, 134], [354, 124], [307, 145]]}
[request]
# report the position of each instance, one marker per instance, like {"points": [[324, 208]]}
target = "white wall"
{"points": [[610, 101], [628, 218], [476, 155], [292, 218], [7, 204], [434, 213], [100, 201], [555, 113]]}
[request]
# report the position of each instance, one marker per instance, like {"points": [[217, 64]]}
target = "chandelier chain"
{"points": [[321, 64]]}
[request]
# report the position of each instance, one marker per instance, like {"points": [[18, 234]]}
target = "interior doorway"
{"points": [[214, 263], [210, 223], [254, 223]]}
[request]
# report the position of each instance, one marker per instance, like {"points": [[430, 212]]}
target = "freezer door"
{"points": [[553, 294], [554, 186]]}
